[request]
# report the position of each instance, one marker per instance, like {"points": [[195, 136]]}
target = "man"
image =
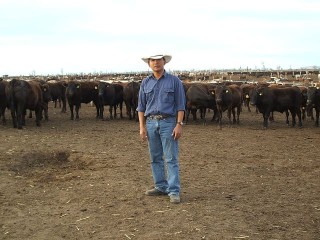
{"points": [[161, 109]]}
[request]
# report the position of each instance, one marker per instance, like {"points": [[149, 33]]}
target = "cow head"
{"points": [[103, 88], [255, 94], [46, 92], [313, 96], [73, 87], [221, 92]]}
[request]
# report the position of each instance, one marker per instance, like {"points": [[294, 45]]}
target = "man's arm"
{"points": [[142, 126]]}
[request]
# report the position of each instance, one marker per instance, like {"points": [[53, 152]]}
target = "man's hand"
{"points": [[177, 132], [143, 134]]}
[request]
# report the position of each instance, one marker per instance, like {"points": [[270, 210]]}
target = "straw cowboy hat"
{"points": [[167, 58]]}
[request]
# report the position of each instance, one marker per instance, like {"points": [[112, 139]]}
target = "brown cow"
{"points": [[314, 102], [3, 101], [228, 98], [270, 99], [78, 92], [245, 89], [23, 95], [110, 94], [199, 96], [304, 95], [130, 97], [57, 92]]}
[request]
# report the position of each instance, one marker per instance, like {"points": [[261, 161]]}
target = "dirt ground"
{"points": [[86, 180]]}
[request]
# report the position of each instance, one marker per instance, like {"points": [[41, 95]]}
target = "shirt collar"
{"points": [[163, 75]]}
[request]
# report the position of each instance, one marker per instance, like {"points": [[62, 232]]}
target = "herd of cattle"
{"points": [[20, 95]]}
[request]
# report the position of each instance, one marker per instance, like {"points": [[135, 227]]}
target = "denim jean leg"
{"points": [[156, 155], [171, 152]]}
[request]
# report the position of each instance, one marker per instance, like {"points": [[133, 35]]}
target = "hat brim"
{"points": [[167, 58]]}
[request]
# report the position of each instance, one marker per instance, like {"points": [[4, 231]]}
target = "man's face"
{"points": [[157, 65]]}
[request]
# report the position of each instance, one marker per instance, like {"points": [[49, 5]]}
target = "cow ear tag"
{"points": [[44, 89], [260, 94], [78, 86], [95, 87], [227, 91]]}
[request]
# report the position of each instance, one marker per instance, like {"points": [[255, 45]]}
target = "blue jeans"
{"points": [[164, 155]]}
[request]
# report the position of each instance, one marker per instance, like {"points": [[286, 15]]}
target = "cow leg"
{"points": [[293, 117], [71, 111], [120, 106], [265, 119], [101, 111], [38, 113], [46, 115], [299, 118], [194, 114], [13, 116], [30, 114], [97, 111], [234, 120], [220, 117], [238, 114], [130, 112], [203, 115], [134, 113], [271, 119], [303, 113], [77, 107], [317, 118], [287, 117], [248, 104], [187, 115], [20, 116], [115, 111], [110, 112], [311, 113], [23, 116], [64, 105], [230, 110], [215, 115], [3, 116]]}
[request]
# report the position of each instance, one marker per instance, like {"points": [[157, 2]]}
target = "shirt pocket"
{"points": [[168, 95], [149, 93]]}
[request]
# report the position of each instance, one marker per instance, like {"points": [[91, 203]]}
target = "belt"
{"points": [[158, 116]]}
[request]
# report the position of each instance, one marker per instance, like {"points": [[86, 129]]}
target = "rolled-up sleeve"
{"points": [[180, 97], [141, 100]]}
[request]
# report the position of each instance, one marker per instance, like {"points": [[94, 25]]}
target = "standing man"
{"points": [[161, 109]]}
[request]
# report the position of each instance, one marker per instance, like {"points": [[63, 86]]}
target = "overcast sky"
{"points": [[63, 36]]}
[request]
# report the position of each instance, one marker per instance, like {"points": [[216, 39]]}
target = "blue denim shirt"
{"points": [[163, 96]]}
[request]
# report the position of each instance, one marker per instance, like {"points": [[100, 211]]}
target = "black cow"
{"points": [[304, 96], [245, 89], [110, 94], [130, 97], [268, 99], [46, 96], [78, 92], [3, 101], [58, 93], [228, 97], [314, 102], [23, 95], [200, 96]]}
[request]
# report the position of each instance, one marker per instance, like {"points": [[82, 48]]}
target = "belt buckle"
{"points": [[158, 117]]}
